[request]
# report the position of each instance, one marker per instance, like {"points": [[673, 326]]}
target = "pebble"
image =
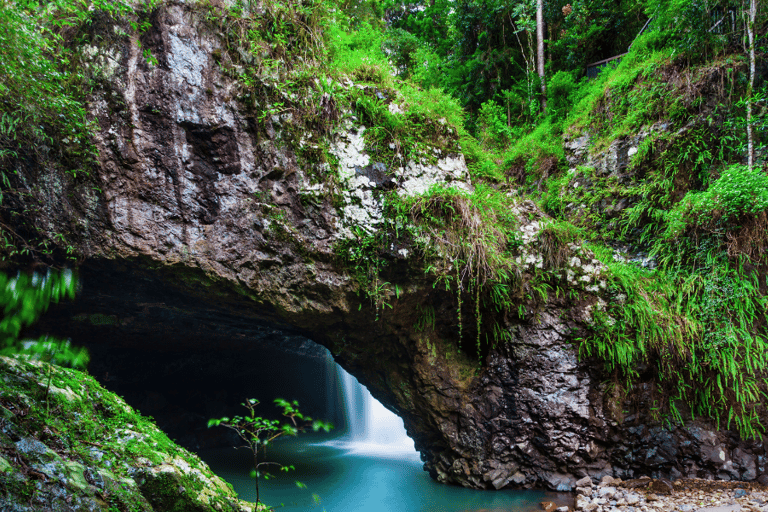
{"points": [[688, 495]]}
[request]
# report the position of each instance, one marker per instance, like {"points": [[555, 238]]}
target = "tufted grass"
{"points": [[694, 332]]}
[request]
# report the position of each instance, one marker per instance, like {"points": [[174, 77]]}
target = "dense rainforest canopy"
{"points": [[693, 200]]}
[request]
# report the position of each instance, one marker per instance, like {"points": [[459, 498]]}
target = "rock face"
{"points": [[203, 226]]}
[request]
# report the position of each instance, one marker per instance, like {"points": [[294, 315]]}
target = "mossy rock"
{"points": [[86, 449]]}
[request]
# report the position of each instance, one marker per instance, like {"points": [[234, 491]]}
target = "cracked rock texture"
{"points": [[203, 228]]}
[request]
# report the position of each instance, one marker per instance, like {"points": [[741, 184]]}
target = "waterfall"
{"points": [[371, 427], [356, 408]]}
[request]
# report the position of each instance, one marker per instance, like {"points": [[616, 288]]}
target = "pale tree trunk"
{"points": [[540, 51], [529, 63], [751, 15]]}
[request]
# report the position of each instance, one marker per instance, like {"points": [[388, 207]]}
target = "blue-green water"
{"points": [[360, 479], [372, 467]]}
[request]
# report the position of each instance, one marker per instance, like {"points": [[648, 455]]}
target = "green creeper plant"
{"points": [[257, 432]]}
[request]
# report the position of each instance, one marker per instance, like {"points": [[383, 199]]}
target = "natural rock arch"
{"points": [[200, 198]]}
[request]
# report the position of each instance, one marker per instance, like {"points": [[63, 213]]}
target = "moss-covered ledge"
{"points": [[66, 443]]}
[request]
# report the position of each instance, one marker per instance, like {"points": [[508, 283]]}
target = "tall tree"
{"points": [[750, 22], [540, 51]]}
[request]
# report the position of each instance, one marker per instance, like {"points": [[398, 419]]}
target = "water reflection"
{"points": [[371, 467]]}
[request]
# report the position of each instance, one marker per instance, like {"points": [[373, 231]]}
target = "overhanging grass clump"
{"points": [[467, 241], [698, 336]]}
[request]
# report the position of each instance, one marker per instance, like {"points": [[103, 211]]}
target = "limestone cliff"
{"points": [[206, 222]]}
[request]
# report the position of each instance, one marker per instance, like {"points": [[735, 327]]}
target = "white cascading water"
{"points": [[371, 427]]}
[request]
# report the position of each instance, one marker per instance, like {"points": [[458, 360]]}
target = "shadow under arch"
{"points": [[181, 358]]}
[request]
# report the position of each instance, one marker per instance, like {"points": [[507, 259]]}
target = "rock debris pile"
{"points": [[660, 495]]}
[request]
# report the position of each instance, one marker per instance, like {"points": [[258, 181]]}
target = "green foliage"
{"points": [[401, 46], [671, 320], [492, 124], [257, 433], [278, 36], [689, 27], [696, 330], [536, 155], [428, 68], [89, 429], [625, 98], [426, 320], [739, 191], [556, 196], [430, 22], [471, 63], [44, 123], [358, 49], [423, 120], [39, 103], [560, 92], [471, 234], [467, 242], [357, 12], [591, 30], [555, 237], [24, 299], [363, 254], [43, 82]]}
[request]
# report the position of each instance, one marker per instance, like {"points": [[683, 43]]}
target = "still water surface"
{"points": [[355, 479], [372, 467]]}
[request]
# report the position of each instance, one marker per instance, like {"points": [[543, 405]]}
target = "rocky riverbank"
{"points": [[661, 495]]}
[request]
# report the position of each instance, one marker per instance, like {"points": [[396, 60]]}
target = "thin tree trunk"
{"points": [[256, 467], [752, 14], [540, 51], [529, 65]]}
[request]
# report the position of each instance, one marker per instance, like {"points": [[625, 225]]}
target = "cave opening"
{"points": [[183, 360], [180, 353]]}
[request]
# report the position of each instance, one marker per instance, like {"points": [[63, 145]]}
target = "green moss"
{"points": [[94, 432]]}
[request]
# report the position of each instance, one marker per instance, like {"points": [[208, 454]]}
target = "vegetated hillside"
{"points": [[647, 165], [647, 160], [658, 183]]}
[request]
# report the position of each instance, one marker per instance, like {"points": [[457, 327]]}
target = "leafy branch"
{"points": [[257, 432]]}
